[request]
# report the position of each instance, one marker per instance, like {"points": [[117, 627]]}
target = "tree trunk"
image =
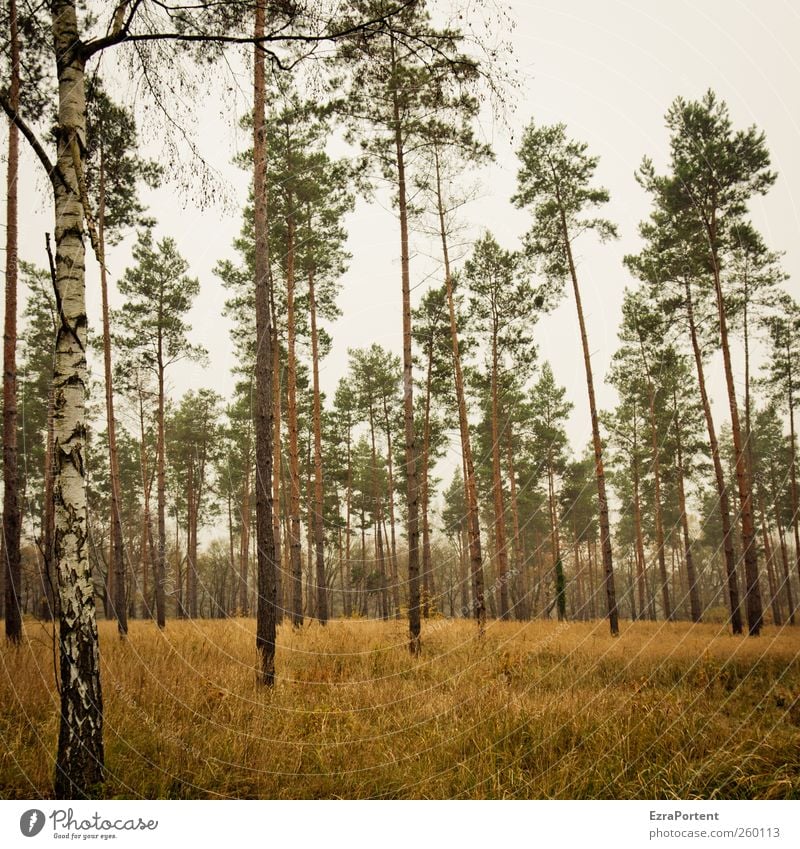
{"points": [[48, 520], [378, 514], [147, 533], [793, 473], [319, 530], [470, 486], [426, 533], [348, 595], [244, 539], [605, 530], [691, 574], [266, 612], [161, 497], [282, 578], [753, 604], [79, 761], [637, 523], [592, 582], [497, 485], [719, 474], [656, 466], [393, 539], [295, 552], [11, 512], [117, 564], [774, 595], [193, 495], [555, 545], [516, 548], [408, 390], [787, 583]]}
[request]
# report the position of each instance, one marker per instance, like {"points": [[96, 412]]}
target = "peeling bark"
{"points": [[79, 761]]}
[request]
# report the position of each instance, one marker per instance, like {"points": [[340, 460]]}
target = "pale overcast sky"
{"points": [[608, 69]]}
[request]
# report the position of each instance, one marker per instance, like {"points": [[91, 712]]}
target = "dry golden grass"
{"points": [[534, 710]]}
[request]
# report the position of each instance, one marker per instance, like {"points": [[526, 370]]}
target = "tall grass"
{"points": [[534, 710]]}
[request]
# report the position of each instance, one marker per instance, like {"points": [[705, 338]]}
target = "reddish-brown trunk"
{"points": [[11, 513], [516, 542], [691, 574], [408, 386], [378, 515], [719, 474], [497, 486], [753, 603], [605, 529], [470, 486], [266, 607], [117, 560], [319, 530], [393, 538]]}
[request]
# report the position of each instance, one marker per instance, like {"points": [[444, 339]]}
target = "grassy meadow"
{"points": [[533, 710]]}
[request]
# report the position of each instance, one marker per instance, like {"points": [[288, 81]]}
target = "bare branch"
{"points": [[52, 170], [122, 37]]}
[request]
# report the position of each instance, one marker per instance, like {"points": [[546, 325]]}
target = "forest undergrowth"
{"points": [[532, 710]]}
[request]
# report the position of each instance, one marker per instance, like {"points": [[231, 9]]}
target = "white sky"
{"points": [[608, 69]]}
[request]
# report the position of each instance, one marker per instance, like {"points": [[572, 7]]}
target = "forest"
{"points": [[288, 589]]}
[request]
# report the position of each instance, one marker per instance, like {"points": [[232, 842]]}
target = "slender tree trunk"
{"points": [[657, 511], [392, 523], [719, 474], [348, 594], [79, 760], [605, 530], [470, 486], [793, 471], [11, 512], [231, 551], [580, 601], [266, 608], [787, 583], [148, 564], [516, 543], [319, 530], [555, 545], [194, 494], [48, 520], [244, 538], [637, 523], [408, 389], [312, 589], [161, 496], [295, 552], [753, 604], [774, 594], [117, 564], [695, 605], [426, 533], [463, 570], [497, 486], [282, 578], [378, 515]]}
